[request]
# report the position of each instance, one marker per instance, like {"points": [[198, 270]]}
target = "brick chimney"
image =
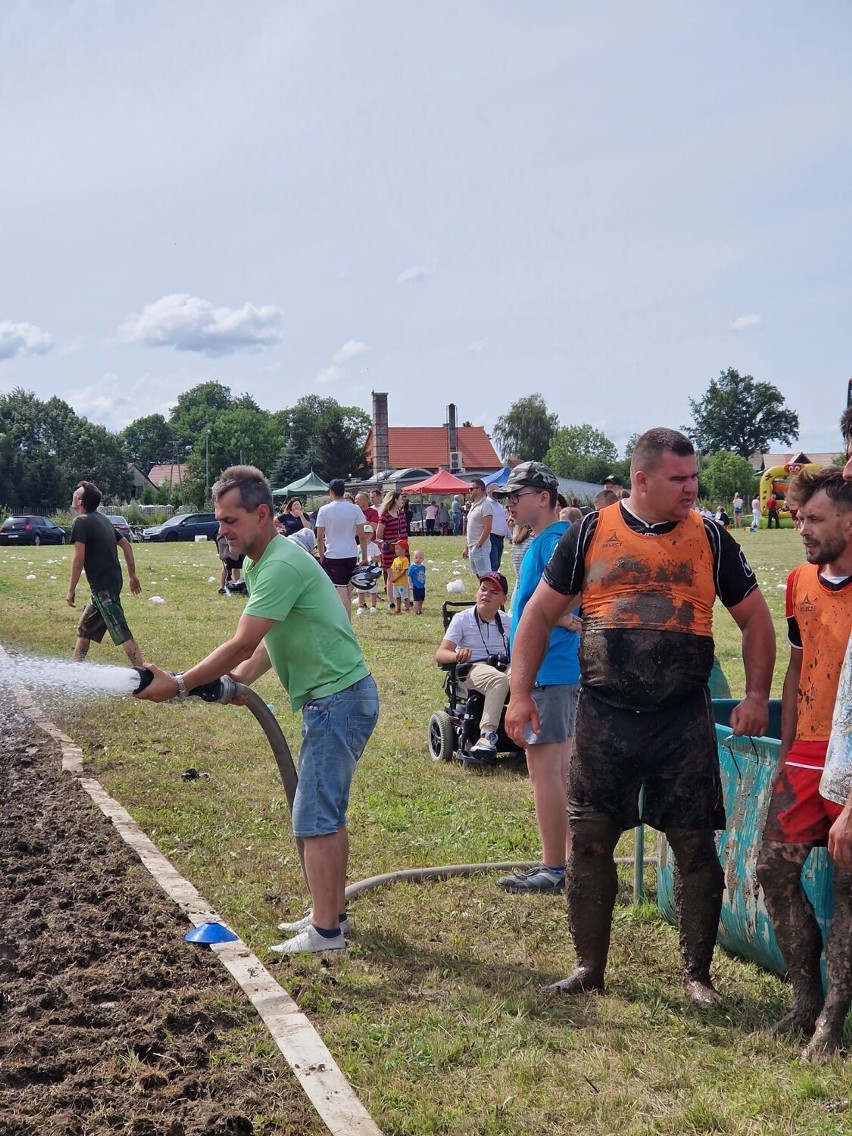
{"points": [[381, 448], [454, 458]]}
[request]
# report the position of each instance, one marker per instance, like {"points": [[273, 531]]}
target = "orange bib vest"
{"points": [[824, 617], [652, 583]]}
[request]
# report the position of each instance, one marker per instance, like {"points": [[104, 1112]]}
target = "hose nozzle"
{"points": [[220, 690]]}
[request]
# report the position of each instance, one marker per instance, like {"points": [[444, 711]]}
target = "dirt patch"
{"points": [[109, 1021]]}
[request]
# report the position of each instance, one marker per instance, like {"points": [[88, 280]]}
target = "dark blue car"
{"points": [[185, 526]]}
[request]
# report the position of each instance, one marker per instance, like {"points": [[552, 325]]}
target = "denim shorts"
{"points": [[480, 560], [557, 712], [335, 730]]}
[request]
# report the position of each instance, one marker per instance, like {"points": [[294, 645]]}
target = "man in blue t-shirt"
{"points": [[531, 495]]}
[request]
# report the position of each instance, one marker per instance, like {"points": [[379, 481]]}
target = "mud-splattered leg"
{"points": [[591, 883], [838, 958], [699, 883], [779, 870]]}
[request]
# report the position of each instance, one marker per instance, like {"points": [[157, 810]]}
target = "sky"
{"points": [[606, 204]]}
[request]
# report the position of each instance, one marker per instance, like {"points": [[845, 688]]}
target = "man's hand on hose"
{"points": [[161, 688]]}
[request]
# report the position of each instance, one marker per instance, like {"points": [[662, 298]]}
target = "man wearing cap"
{"points": [[475, 635], [613, 482], [480, 519], [647, 570], [531, 493]]}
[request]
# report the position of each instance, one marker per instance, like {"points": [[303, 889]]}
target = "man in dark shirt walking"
{"points": [[96, 545]]}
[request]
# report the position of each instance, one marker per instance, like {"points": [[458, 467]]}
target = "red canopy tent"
{"points": [[439, 483]]}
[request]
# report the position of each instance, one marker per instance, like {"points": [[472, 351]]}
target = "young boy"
{"points": [[399, 577], [417, 579], [374, 556]]}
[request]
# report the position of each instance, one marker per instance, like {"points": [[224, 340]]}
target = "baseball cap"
{"points": [[531, 475], [497, 578], [614, 479]]}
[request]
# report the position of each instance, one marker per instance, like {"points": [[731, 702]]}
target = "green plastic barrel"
{"points": [[747, 766]]}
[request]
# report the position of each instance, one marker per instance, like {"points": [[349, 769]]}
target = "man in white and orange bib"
{"points": [[819, 621], [647, 570]]}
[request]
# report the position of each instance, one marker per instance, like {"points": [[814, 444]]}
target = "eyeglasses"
{"points": [[514, 498]]}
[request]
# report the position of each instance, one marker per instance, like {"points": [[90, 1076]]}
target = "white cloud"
{"points": [[478, 345], [336, 370], [117, 400], [330, 374], [415, 272], [18, 339], [73, 346], [191, 324], [350, 350], [742, 322]]}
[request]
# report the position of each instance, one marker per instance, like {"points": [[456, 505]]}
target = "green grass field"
{"points": [[435, 1013]]}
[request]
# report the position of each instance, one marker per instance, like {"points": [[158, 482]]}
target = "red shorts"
{"points": [[797, 813]]}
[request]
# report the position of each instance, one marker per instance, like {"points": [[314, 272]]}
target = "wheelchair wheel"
{"points": [[440, 736]]}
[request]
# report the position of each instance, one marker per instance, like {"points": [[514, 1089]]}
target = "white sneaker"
{"points": [[360, 611], [307, 921], [374, 611], [309, 942]]}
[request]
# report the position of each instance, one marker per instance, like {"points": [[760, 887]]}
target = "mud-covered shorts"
{"points": [[798, 813], [104, 613], [671, 753]]}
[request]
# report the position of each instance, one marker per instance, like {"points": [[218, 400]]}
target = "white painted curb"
{"points": [[302, 1047]]}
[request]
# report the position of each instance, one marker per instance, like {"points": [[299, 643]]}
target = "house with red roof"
{"points": [[463, 450]]}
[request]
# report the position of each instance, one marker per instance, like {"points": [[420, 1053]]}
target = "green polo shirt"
{"points": [[311, 644]]}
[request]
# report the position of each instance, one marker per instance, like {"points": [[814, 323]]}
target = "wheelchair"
{"points": [[452, 731]]}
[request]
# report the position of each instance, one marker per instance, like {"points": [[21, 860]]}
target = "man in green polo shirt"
{"points": [[294, 622]]}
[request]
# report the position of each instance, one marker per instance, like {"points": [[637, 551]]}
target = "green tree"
{"points": [[49, 448], [328, 436], [99, 456], [739, 414], [196, 410], [249, 437], [725, 474], [526, 429], [148, 441], [581, 452]]}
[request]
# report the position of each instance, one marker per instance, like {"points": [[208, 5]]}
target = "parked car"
{"points": [[120, 525], [185, 526], [31, 530]]}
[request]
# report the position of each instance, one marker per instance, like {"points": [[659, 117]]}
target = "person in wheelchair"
{"points": [[479, 636]]}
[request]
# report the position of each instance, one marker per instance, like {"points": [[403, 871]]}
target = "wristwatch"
{"points": [[182, 691]]}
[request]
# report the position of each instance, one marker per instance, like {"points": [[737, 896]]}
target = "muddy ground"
{"points": [[109, 1021]]}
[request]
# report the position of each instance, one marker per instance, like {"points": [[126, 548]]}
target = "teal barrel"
{"points": [[747, 766]]}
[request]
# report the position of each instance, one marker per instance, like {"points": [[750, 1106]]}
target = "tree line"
{"points": [[46, 448], [736, 418]]}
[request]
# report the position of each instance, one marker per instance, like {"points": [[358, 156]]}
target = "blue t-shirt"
{"points": [[561, 665], [417, 575]]}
